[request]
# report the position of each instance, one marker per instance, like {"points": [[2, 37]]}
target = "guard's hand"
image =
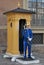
{"points": [[29, 39]]}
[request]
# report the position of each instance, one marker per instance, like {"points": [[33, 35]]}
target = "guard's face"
{"points": [[27, 26]]}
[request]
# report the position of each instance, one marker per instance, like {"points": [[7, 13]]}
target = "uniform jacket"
{"points": [[27, 33]]}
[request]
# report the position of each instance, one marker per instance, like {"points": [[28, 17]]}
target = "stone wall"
{"points": [[3, 39], [38, 48]]}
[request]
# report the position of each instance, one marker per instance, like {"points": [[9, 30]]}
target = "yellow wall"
{"points": [[13, 32]]}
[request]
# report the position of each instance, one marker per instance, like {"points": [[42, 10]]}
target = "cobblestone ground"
{"points": [[5, 61]]}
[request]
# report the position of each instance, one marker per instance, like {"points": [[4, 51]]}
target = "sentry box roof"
{"points": [[20, 10]]}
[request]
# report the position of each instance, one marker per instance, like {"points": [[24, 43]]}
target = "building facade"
{"points": [[37, 23]]}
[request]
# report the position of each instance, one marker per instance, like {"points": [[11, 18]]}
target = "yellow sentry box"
{"points": [[13, 18]]}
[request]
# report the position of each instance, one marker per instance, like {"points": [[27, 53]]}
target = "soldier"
{"points": [[27, 38]]}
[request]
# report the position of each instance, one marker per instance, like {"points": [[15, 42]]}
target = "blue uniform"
{"points": [[27, 33]]}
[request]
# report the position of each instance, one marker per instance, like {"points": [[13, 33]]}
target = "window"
{"points": [[29, 5], [42, 16], [38, 6], [42, 5], [37, 38], [39, 0], [42, 0], [40, 11], [34, 4], [42, 19]]}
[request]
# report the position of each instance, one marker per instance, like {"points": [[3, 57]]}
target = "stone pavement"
{"points": [[5, 61], [8, 62]]}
